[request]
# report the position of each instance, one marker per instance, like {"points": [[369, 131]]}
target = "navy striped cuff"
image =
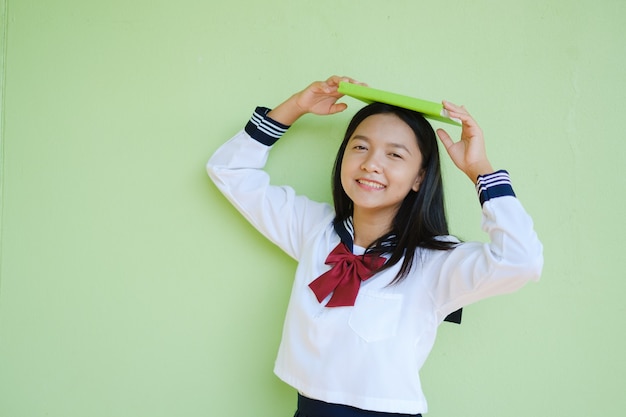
{"points": [[494, 185], [264, 129]]}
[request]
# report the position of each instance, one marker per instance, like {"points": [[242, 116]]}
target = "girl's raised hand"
{"points": [[319, 97], [469, 153]]}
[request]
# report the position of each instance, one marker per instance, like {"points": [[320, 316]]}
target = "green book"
{"points": [[429, 109]]}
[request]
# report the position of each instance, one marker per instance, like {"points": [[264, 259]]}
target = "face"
{"points": [[381, 164]]}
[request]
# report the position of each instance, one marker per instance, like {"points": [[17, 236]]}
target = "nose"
{"points": [[371, 164]]}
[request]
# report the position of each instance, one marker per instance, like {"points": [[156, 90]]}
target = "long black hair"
{"points": [[421, 218]]}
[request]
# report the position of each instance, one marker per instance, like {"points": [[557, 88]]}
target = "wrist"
{"points": [[287, 112], [479, 169]]}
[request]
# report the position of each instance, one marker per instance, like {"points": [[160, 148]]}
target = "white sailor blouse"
{"points": [[369, 355]]}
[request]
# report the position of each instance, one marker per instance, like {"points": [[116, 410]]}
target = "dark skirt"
{"points": [[308, 407]]}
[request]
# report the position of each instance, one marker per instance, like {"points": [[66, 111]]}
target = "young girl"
{"points": [[378, 272]]}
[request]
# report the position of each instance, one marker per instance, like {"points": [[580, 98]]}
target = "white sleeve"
{"points": [[277, 212], [473, 271]]}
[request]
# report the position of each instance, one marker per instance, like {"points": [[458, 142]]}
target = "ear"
{"points": [[418, 180]]}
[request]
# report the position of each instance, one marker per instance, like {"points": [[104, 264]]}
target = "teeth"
{"points": [[371, 184]]}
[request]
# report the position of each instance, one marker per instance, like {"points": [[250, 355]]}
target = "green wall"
{"points": [[123, 290]]}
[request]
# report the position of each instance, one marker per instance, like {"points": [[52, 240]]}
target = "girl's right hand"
{"points": [[319, 98]]}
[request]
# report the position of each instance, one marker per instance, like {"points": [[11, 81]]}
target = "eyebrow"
{"points": [[392, 144]]}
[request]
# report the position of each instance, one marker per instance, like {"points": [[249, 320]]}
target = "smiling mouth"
{"points": [[371, 184]]}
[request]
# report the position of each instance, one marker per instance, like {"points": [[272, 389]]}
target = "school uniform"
{"points": [[368, 356]]}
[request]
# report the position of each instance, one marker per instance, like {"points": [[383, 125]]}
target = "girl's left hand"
{"points": [[469, 153]]}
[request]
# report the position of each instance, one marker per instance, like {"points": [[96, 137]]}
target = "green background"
{"points": [[130, 287]]}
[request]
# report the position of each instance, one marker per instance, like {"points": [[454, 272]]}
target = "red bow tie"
{"points": [[344, 278]]}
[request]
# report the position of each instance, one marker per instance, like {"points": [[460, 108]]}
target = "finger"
{"points": [[445, 138], [333, 83], [329, 86], [336, 79], [465, 118], [337, 108], [353, 81], [448, 105], [461, 113]]}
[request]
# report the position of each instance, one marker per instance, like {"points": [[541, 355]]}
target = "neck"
{"points": [[370, 225]]}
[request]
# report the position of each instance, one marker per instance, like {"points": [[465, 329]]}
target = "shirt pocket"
{"points": [[375, 316]]}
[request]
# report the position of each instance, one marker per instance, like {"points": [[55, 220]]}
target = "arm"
{"points": [[473, 271], [236, 168], [512, 257]]}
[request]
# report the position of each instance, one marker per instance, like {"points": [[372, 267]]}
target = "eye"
{"points": [[396, 155], [359, 148]]}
